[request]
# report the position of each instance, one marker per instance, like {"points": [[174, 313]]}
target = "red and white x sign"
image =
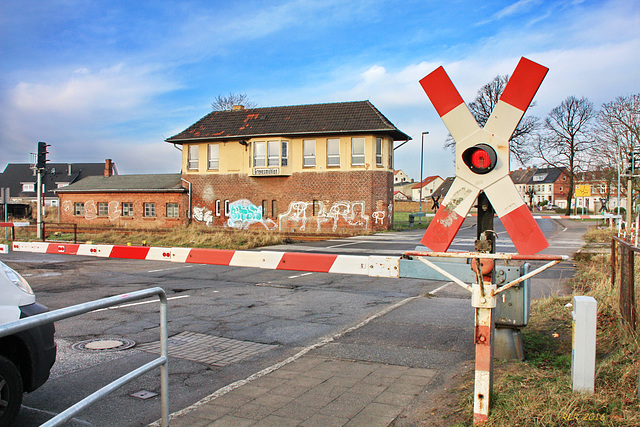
{"points": [[482, 159]]}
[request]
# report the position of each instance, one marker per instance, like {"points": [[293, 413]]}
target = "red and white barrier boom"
{"points": [[482, 173]]}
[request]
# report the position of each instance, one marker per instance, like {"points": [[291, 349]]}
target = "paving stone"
{"points": [[272, 400], [326, 389], [252, 411], [321, 420], [296, 410], [276, 421], [250, 390], [347, 405], [210, 411], [313, 399], [394, 398], [233, 399], [189, 421], [289, 390], [230, 421]]}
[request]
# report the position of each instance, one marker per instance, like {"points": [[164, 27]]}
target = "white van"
{"points": [[26, 357]]}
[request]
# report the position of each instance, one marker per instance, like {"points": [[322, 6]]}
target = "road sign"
{"points": [[583, 190], [482, 159]]}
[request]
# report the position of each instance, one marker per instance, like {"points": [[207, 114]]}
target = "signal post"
{"points": [[482, 175]]}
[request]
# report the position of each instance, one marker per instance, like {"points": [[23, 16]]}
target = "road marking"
{"points": [[138, 303], [433, 292], [299, 275], [345, 244], [53, 414], [323, 341], [169, 269]]}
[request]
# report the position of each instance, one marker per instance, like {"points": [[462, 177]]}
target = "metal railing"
{"points": [[64, 313]]}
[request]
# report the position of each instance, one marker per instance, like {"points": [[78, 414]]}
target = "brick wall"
{"points": [[114, 215], [307, 202]]}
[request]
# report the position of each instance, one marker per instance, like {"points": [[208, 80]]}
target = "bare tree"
{"points": [[481, 108], [568, 138], [224, 103]]}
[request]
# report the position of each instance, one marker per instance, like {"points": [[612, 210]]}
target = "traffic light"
{"points": [[42, 155], [481, 158]]}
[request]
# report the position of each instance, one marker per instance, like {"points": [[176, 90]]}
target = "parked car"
{"points": [[26, 357]]}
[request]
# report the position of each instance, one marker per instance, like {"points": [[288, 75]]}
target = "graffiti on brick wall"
{"points": [[203, 215], [352, 213], [381, 213], [243, 213], [91, 210], [114, 210]]}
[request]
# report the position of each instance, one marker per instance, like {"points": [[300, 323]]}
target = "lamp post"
{"points": [[421, 167]]}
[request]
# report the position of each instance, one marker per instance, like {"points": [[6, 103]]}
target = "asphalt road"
{"points": [[282, 311]]}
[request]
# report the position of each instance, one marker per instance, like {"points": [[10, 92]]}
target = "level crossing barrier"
{"points": [[75, 310]]}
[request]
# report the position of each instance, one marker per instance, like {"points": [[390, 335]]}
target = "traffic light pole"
{"points": [[39, 205]]}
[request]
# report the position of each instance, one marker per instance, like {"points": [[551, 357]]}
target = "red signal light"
{"points": [[480, 159]]}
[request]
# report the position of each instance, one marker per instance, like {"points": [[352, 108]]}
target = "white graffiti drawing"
{"points": [[379, 216], [114, 210], [297, 213], [67, 207], [203, 215], [351, 212], [243, 213], [90, 210]]}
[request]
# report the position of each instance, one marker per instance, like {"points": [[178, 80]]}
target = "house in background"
{"points": [[400, 177], [134, 201], [314, 168], [21, 180], [429, 186]]}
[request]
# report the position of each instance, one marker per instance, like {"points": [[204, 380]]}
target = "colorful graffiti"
{"points": [[243, 213], [203, 215]]}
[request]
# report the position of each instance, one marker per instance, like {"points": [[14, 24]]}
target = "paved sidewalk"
{"points": [[316, 391]]}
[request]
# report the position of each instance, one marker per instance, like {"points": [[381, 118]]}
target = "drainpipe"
{"points": [[189, 211]]}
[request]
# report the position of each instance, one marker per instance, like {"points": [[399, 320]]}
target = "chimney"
{"points": [[69, 170], [108, 168], [237, 107]]}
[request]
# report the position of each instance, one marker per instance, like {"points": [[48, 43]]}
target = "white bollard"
{"points": [[583, 349]]}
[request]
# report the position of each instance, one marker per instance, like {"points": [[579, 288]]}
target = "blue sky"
{"points": [[114, 79]]}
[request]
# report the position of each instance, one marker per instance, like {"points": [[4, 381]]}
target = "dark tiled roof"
{"points": [[443, 189], [127, 184], [340, 117], [522, 176], [64, 173], [546, 176]]}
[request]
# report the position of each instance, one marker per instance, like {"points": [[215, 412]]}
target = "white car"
{"points": [[26, 357]]}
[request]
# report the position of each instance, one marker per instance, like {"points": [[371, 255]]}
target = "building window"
{"points": [[127, 209], [217, 207], [226, 208], [192, 161], [149, 210], [333, 152], [61, 184], [284, 160], [378, 151], [265, 206], [357, 151], [28, 186], [309, 152], [103, 209], [274, 208], [259, 154], [214, 156], [316, 208], [273, 153], [173, 210], [78, 209], [391, 155]]}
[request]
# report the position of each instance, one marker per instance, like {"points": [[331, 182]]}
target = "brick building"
{"points": [[311, 168], [134, 201]]}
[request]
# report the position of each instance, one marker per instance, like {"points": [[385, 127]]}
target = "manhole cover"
{"points": [[104, 344]]}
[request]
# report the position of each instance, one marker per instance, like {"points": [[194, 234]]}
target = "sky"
{"points": [[114, 79]]}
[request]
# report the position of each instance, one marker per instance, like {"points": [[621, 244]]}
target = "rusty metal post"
{"points": [[613, 263], [631, 295]]}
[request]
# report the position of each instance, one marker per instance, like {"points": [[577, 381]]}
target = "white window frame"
{"points": [[333, 158], [213, 155], [217, 207], [378, 151], [78, 209], [103, 209], [127, 209], [226, 208], [309, 153], [357, 156], [284, 157], [259, 160], [173, 210], [29, 186], [193, 157], [273, 153], [149, 210]]}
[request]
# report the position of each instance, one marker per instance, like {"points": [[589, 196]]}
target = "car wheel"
{"points": [[10, 391]]}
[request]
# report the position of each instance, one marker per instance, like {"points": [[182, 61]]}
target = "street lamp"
{"points": [[421, 166]]}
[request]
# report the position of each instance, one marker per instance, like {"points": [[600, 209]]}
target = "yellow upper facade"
{"points": [[280, 156]]}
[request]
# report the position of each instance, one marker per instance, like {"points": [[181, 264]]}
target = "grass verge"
{"points": [[538, 391]]}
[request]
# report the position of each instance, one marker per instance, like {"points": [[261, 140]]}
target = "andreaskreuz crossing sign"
{"points": [[482, 159]]}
